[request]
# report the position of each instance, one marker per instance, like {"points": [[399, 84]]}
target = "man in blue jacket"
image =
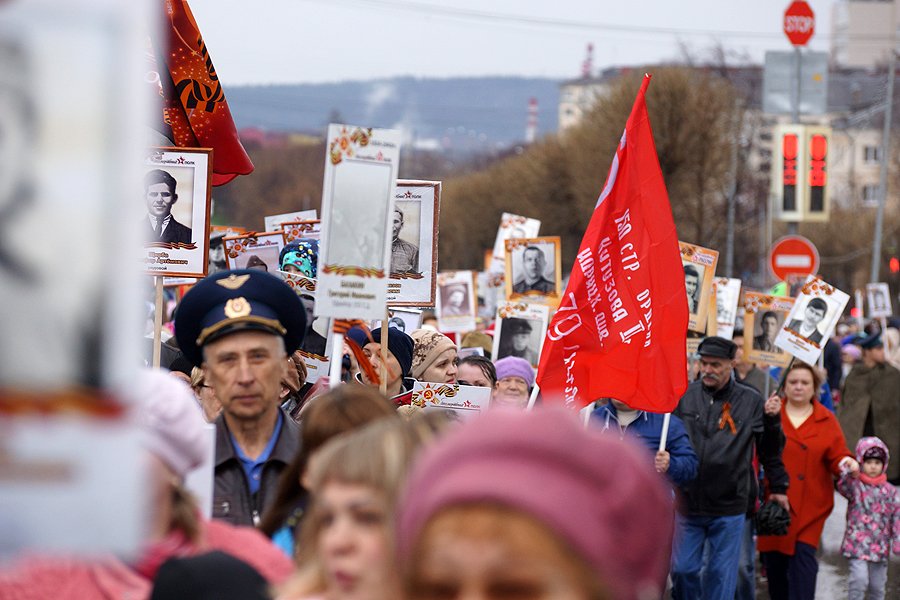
{"points": [[678, 461]]}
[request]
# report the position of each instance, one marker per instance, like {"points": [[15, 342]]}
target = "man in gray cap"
{"points": [[725, 421], [240, 327]]}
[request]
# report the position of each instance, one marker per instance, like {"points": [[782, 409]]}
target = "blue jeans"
{"points": [[723, 535], [746, 579]]}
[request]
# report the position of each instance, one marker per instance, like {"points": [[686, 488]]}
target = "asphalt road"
{"points": [[833, 567]]}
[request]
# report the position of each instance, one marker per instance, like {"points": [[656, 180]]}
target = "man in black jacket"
{"points": [[725, 421], [240, 327]]}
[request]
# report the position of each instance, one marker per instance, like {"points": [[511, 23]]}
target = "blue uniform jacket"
{"points": [[648, 428]]}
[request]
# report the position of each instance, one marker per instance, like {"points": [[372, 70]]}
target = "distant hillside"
{"points": [[459, 113]]}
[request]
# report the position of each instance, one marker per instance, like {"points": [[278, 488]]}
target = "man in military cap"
{"points": [[870, 401], [515, 340], [240, 327], [725, 420]]}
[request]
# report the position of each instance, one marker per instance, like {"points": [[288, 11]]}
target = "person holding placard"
{"points": [[240, 327], [399, 358]]}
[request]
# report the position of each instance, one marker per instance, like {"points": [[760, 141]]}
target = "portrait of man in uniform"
{"points": [[160, 194], [692, 280], [769, 324], [404, 255], [530, 276]]}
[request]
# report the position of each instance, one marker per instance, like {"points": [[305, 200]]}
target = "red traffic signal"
{"points": [[894, 264]]}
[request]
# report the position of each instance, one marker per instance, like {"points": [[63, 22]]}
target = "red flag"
{"points": [[195, 112], [621, 327]]}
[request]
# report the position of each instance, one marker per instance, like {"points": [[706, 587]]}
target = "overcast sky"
{"points": [[301, 41]]}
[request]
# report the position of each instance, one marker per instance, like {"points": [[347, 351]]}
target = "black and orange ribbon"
{"points": [[726, 419]]}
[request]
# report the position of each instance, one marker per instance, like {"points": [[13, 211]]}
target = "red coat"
{"points": [[812, 455]]}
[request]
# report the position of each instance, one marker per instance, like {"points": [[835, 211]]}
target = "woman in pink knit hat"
{"points": [[531, 504]]}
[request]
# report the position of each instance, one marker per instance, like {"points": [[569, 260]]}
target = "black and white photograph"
{"points": [[879, 296], [356, 230], [812, 319], [258, 251], [766, 326], [405, 237], [763, 318], [693, 285], [176, 184], [728, 294], [413, 251], [699, 266], [533, 268], [456, 301], [520, 331], [168, 211], [512, 227]]}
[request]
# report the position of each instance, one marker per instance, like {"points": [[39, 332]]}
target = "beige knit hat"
{"points": [[429, 345]]}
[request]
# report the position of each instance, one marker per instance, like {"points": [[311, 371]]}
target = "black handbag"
{"points": [[772, 519]]}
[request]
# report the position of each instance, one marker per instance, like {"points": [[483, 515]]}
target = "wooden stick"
{"points": [[385, 326], [157, 323]]}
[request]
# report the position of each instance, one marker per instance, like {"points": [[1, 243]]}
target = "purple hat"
{"points": [[513, 366], [594, 492], [872, 447]]}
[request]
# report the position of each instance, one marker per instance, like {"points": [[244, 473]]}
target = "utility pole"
{"points": [[885, 157]]}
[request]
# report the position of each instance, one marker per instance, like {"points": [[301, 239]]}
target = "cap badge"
{"points": [[233, 282], [237, 307]]}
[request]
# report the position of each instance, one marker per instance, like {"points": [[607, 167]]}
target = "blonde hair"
{"points": [[377, 456]]}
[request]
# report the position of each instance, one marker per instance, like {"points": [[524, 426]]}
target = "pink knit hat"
{"points": [[171, 422], [595, 492]]}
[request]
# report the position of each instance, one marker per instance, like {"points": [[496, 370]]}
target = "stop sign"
{"points": [[799, 23], [793, 255]]}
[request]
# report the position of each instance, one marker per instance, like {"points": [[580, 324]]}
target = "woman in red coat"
{"points": [[814, 453]]}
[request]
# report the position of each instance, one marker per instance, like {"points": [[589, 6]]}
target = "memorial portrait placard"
{"points": [[254, 251], [879, 297], [764, 315], [456, 301], [520, 331], [357, 217], [275, 222], [511, 227], [177, 190], [812, 319], [699, 271], [533, 269], [414, 243]]}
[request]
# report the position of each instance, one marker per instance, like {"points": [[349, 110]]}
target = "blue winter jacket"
{"points": [[648, 428]]}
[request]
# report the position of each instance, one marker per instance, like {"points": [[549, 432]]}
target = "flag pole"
{"points": [[157, 323], [664, 436], [533, 398]]}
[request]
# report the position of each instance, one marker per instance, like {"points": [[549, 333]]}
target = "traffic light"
{"points": [[817, 142], [800, 183], [894, 264]]}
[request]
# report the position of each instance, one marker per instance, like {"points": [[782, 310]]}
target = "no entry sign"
{"points": [[799, 23], [793, 255]]}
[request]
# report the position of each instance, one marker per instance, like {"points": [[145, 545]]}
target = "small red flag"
{"points": [[195, 113], [621, 328]]}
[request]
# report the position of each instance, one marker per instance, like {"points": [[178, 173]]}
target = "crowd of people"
{"points": [[350, 491]]}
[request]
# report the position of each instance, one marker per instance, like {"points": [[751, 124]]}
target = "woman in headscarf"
{"points": [[434, 357]]}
